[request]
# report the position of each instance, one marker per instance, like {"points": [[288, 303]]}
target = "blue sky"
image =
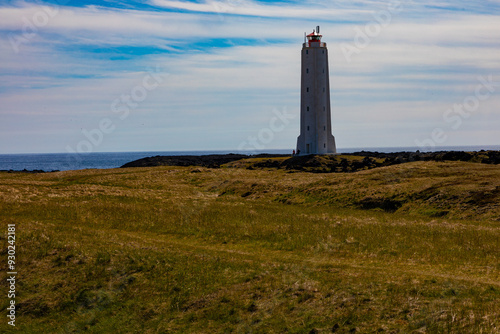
{"points": [[161, 75]]}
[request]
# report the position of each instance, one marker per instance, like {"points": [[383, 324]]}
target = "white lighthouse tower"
{"points": [[315, 115]]}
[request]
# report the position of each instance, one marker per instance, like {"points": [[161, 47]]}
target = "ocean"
{"points": [[101, 160]]}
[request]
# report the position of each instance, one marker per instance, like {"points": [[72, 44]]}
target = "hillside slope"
{"points": [[411, 248]]}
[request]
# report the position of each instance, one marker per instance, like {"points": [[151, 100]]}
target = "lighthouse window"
{"points": [[324, 128], [324, 145], [307, 52], [324, 108], [307, 108], [307, 70], [323, 51], [323, 89], [307, 128], [308, 89], [323, 70]]}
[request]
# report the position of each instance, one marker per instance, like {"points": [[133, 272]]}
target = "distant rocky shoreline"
{"points": [[312, 163], [315, 163], [34, 171]]}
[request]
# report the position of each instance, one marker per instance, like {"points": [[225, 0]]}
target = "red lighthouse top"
{"points": [[314, 37]]}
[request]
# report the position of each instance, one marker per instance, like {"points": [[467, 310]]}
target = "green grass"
{"points": [[411, 248]]}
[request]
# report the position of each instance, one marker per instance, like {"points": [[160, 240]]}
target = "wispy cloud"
{"points": [[318, 11], [231, 62]]}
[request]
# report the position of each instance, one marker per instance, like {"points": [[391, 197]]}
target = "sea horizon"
{"points": [[107, 160]]}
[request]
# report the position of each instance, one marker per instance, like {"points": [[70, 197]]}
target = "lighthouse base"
{"points": [[307, 147]]}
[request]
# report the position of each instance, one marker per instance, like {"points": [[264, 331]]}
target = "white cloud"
{"points": [[251, 8], [409, 74]]}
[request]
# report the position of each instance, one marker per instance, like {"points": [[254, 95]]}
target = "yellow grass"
{"points": [[412, 248]]}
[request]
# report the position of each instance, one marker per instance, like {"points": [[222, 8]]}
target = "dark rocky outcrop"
{"points": [[345, 163], [331, 163], [487, 157], [210, 161]]}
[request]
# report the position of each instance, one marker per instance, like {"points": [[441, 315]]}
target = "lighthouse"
{"points": [[315, 114]]}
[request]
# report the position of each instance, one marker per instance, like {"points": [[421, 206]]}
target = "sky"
{"points": [[162, 75]]}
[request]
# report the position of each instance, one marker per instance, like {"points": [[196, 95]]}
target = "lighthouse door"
{"points": [[308, 149]]}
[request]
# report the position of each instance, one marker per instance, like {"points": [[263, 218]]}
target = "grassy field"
{"points": [[411, 248]]}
